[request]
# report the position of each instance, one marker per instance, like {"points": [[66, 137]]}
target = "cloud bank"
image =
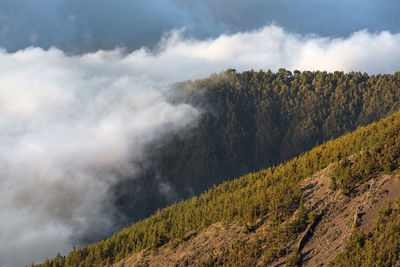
{"points": [[70, 128], [73, 126]]}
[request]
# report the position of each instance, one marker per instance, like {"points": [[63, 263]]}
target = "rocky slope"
{"points": [[335, 218], [305, 211]]}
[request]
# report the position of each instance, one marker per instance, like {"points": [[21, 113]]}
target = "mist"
{"points": [[74, 126], [71, 127]]}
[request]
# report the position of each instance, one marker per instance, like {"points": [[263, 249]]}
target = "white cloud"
{"points": [[68, 122], [273, 48]]}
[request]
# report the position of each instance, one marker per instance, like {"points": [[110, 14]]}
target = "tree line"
{"points": [[253, 120], [273, 193]]}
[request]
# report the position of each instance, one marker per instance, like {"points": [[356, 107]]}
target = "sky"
{"points": [[84, 89], [81, 26]]}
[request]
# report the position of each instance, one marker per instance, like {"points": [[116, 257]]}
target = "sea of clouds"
{"points": [[72, 126]]}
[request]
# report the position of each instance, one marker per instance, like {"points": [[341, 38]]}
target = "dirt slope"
{"points": [[215, 240], [342, 214], [336, 217]]}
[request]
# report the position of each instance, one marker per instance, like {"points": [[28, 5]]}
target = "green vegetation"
{"points": [[254, 120], [381, 248], [294, 259], [272, 194], [381, 158]]}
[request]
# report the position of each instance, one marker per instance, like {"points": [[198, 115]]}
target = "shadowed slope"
{"points": [[274, 195]]}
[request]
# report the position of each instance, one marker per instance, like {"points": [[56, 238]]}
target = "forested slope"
{"points": [[273, 195], [253, 120]]}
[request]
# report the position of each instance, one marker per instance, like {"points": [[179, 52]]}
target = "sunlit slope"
{"points": [[253, 120], [273, 194]]}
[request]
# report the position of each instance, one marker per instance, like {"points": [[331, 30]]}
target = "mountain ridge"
{"points": [[250, 121], [325, 237], [275, 193]]}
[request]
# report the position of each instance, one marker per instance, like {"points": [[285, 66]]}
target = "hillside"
{"points": [[252, 120], [338, 218], [330, 193]]}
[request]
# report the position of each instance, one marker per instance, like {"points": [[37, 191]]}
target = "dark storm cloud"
{"points": [[323, 17], [81, 26], [85, 25]]}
